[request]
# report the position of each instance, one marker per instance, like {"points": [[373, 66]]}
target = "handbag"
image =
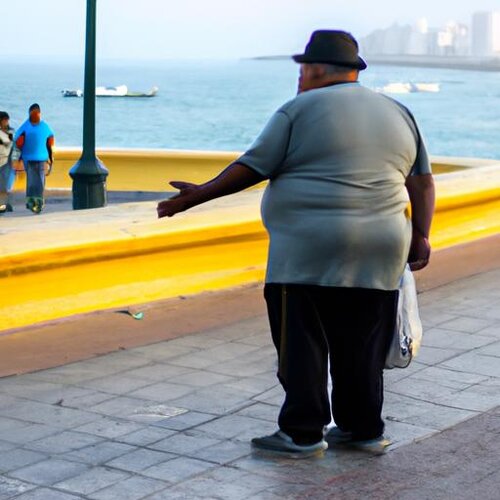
{"points": [[407, 335]]}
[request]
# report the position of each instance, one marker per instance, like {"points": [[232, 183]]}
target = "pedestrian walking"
{"points": [[7, 173], [35, 139], [343, 162]]}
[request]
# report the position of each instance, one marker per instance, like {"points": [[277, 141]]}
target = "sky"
{"points": [[206, 29]]}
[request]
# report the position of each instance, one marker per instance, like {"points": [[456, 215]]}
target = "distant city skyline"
{"points": [[205, 29], [479, 38]]}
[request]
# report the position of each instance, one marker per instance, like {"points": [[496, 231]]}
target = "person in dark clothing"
{"points": [[342, 162]]}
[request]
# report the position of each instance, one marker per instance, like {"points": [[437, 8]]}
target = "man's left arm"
{"points": [[50, 148], [420, 187], [422, 199]]}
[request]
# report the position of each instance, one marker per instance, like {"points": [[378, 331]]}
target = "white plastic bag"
{"points": [[408, 332]]}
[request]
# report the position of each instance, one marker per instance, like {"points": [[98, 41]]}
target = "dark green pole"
{"points": [[89, 174]]}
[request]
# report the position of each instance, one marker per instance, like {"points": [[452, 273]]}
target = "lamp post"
{"points": [[88, 173]]}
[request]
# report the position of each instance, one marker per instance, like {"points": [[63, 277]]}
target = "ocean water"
{"points": [[222, 105]]}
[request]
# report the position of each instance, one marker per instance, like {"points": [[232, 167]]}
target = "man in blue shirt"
{"points": [[35, 139]]}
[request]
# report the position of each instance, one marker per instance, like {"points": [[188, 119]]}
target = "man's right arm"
{"points": [[232, 179], [20, 136], [50, 149], [260, 162]]}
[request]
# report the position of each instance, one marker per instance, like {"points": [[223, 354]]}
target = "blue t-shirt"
{"points": [[35, 141]]}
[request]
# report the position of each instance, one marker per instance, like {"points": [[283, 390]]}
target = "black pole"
{"points": [[89, 174], [89, 86]]}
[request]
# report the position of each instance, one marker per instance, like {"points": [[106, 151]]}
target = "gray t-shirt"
{"points": [[336, 205]]}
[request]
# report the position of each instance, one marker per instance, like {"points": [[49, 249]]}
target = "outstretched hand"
{"points": [[232, 179], [179, 202], [420, 252]]}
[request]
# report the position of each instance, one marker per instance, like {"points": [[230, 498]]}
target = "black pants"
{"points": [[352, 326]]}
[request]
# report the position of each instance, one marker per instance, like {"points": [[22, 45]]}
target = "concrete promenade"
{"points": [[172, 420]]}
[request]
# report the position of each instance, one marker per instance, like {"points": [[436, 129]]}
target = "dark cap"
{"points": [[34, 106], [4, 115], [332, 47]]}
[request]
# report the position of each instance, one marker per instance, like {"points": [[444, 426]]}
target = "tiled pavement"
{"points": [[173, 420]]}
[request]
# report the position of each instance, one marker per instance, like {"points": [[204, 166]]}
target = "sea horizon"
{"points": [[221, 105]]}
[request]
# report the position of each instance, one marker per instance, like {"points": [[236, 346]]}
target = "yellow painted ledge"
{"points": [[127, 256], [119, 255], [140, 169], [467, 206], [151, 169]]}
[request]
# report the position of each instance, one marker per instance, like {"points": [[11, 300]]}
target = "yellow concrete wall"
{"points": [[150, 169], [141, 170], [107, 266]]}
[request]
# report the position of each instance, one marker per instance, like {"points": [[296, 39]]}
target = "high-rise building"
{"points": [[482, 39], [496, 33], [418, 39], [485, 34], [390, 41], [454, 39], [462, 39]]}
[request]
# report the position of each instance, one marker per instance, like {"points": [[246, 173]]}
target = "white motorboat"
{"points": [[72, 93], [427, 87], [118, 91], [409, 87]]}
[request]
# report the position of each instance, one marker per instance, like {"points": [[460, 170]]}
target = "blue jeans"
{"points": [[7, 177], [35, 181]]}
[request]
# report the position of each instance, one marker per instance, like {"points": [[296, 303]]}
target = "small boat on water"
{"points": [[72, 93], [409, 87], [119, 91]]}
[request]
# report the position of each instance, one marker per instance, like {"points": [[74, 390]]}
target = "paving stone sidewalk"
{"points": [[173, 420]]}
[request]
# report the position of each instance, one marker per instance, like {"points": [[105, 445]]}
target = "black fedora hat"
{"points": [[332, 47]]}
